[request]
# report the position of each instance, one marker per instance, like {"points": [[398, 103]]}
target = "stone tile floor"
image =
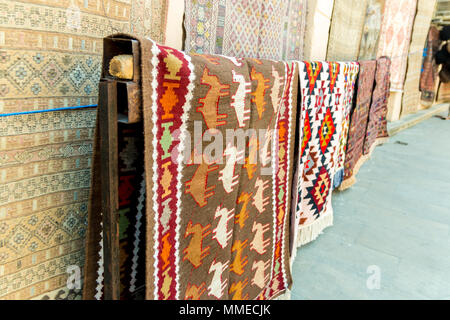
{"points": [[395, 219]]}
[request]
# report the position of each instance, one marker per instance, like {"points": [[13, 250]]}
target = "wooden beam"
{"points": [[129, 91], [107, 113]]}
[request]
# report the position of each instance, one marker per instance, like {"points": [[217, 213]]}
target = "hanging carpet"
{"points": [[216, 214], [358, 122], [322, 88]]}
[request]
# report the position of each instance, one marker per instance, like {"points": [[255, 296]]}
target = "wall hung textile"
{"points": [[175, 24], [50, 57], [377, 124], [217, 227], [411, 94], [371, 30], [322, 112], [318, 22], [395, 36], [44, 186], [358, 124], [350, 73], [429, 75], [346, 29], [272, 29], [51, 50]]}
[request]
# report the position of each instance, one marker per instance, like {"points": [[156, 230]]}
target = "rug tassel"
{"points": [[347, 183], [285, 296], [382, 140], [376, 143], [310, 232]]}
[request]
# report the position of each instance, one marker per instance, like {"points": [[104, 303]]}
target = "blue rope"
{"points": [[47, 110]]}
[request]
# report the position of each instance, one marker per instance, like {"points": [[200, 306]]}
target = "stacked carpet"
{"points": [[346, 30], [217, 216], [272, 29], [51, 58], [429, 75], [358, 123], [411, 93], [323, 92], [371, 30]]}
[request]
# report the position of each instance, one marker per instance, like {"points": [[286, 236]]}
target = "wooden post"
{"points": [[129, 91], [119, 100], [107, 114]]}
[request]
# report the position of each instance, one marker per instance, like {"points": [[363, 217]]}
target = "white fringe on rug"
{"points": [[376, 143], [347, 183], [310, 232], [284, 296]]}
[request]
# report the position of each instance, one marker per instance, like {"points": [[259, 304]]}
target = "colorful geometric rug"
{"points": [[350, 72], [429, 75], [395, 37], [371, 30], [411, 93], [272, 29], [377, 123], [252, 263], [217, 214], [358, 123], [346, 29], [322, 86]]}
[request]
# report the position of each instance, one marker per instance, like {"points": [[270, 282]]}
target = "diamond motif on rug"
{"points": [[20, 73], [18, 238], [326, 131], [312, 71], [310, 163], [321, 188], [77, 75], [52, 74], [306, 133], [334, 71]]}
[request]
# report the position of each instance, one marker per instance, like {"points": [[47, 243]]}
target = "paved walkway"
{"points": [[396, 218]]}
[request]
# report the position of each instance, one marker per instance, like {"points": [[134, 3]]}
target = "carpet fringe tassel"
{"points": [[376, 143], [310, 232], [285, 296], [347, 183]]}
